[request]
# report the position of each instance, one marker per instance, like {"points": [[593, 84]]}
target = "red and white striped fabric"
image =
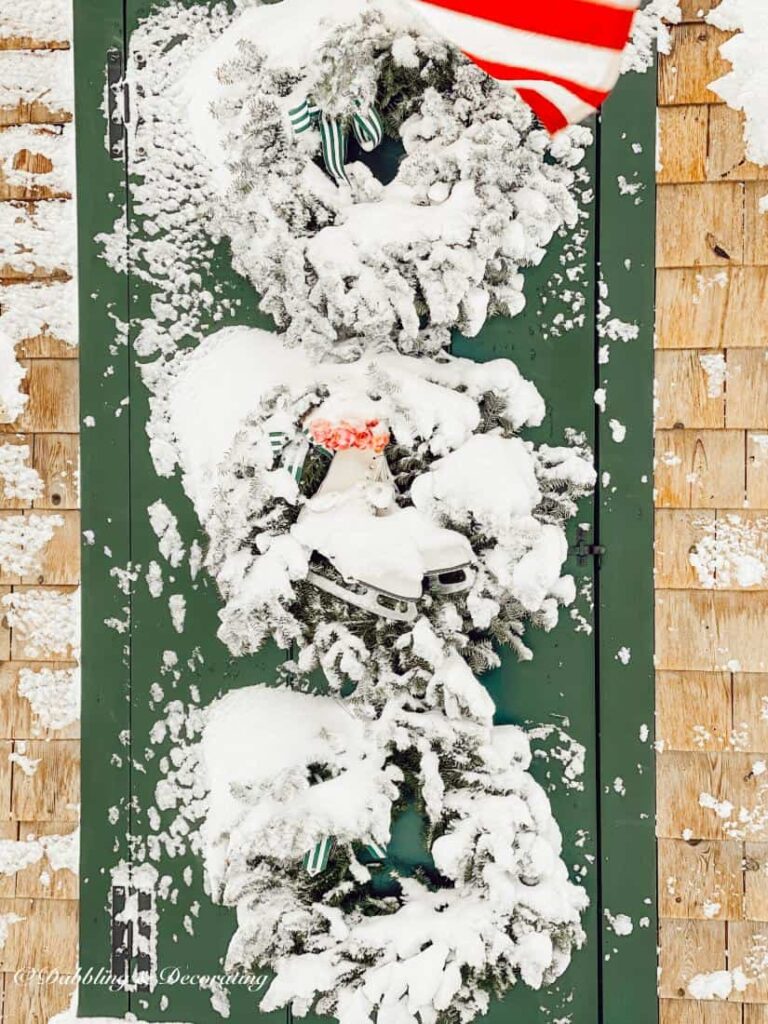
{"points": [[562, 56]]}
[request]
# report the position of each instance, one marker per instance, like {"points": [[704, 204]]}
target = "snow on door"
{"points": [[173, 621]]}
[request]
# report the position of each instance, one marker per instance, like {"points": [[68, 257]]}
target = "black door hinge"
{"points": [[118, 108], [121, 945], [132, 926], [584, 551]]}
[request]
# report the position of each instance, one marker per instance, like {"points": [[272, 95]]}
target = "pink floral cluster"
{"points": [[338, 437]]}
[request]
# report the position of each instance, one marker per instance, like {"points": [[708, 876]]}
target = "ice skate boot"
{"points": [[368, 551], [360, 553], [447, 554]]}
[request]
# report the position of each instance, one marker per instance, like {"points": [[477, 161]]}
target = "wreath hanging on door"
{"points": [[378, 512], [407, 478], [293, 102]]}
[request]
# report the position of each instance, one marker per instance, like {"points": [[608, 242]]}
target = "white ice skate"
{"points": [[368, 551]]}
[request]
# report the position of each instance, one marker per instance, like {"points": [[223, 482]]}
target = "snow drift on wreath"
{"points": [[479, 192], [454, 463], [505, 908]]}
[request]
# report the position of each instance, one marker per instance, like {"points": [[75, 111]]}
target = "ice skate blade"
{"points": [[397, 609], [451, 581]]}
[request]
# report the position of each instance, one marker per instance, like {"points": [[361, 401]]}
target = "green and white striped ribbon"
{"points": [[303, 116], [316, 860], [278, 440], [291, 456], [368, 129], [366, 125], [295, 457], [333, 140]]}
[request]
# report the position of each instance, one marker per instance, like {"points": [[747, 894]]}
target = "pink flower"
{"points": [[343, 437], [363, 435], [320, 430], [380, 442]]}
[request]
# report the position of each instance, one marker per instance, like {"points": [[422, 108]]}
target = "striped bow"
{"points": [[316, 860], [562, 56], [291, 456], [366, 125]]}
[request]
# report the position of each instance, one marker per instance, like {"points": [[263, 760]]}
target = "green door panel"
{"points": [[627, 144], [105, 509], [576, 691]]}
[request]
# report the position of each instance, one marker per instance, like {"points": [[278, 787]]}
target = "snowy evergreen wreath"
{"points": [[341, 259], [496, 904], [452, 485]]}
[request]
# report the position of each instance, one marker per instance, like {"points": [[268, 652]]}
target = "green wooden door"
{"points": [[589, 684]]}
